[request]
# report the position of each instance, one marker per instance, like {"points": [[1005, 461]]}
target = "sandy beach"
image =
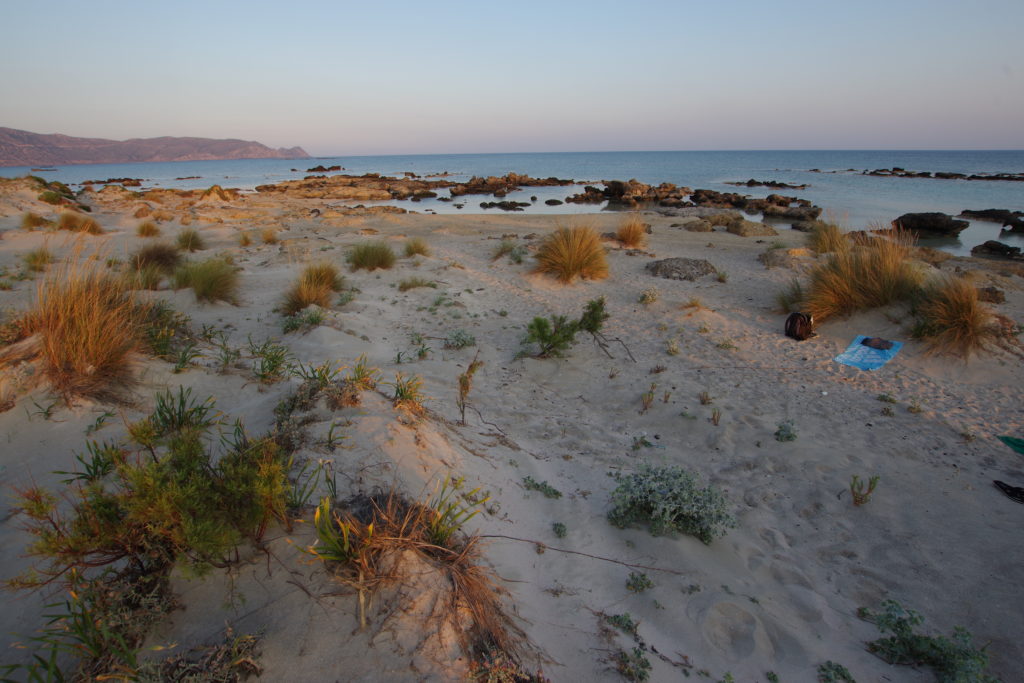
{"points": [[778, 593]]}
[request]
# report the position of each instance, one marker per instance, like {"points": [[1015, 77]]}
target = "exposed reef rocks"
{"points": [[767, 183], [1014, 220], [632, 193], [897, 172], [931, 222]]}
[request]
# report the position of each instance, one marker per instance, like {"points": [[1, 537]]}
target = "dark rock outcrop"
{"points": [[996, 249], [991, 295], [505, 206], [500, 186], [631, 193], [680, 268], [767, 183], [931, 222], [553, 202], [1014, 220], [897, 172]]}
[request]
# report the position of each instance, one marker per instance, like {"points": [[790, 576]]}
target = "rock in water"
{"points": [[932, 222]]}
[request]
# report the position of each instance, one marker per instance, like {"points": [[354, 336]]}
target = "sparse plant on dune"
{"points": [[363, 375], [162, 256], [30, 221], [76, 222], [147, 229], [244, 238], [861, 495], [553, 338], [632, 232], [827, 238], [36, 260], [791, 299], [190, 240], [649, 296], [951, 319], [465, 385], [315, 285], [573, 252], [269, 236], [371, 256], [408, 393], [212, 280], [416, 247], [414, 282], [89, 329]]}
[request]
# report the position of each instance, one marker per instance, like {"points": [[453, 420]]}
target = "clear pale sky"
{"points": [[415, 77]]}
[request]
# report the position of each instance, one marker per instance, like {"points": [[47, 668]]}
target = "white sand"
{"points": [[778, 593]]}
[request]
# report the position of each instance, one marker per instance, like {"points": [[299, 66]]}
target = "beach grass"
{"points": [[827, 238], [73, 221], [951, 319], [632, 232], [571, 252], [36, 260], [416, 247], [212, 280], [315, 285], [371, 256], [164, 257], [190, 240], [147, 229], [30, 221]]}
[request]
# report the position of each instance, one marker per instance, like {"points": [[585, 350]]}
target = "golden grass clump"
{"points": [[30, 221], [89, 328], [572, 252], [189, 239], [827, 238], [632, 233], [416, 246], [76, 222], [874, 273], [37, 259], [162, 256], [269, 236], [315, 286], [370, 256], [951, 319], [244, 238], [212, 280], [147, 229]]}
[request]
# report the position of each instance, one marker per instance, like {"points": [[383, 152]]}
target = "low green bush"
{"points": [[669, 500]]}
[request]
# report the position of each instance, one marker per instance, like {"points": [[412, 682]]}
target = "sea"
{"points": [[835, 179]]}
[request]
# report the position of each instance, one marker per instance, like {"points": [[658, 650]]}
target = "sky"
{"points": [[347, 78]]}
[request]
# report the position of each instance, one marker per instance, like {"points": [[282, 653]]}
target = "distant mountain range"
{"points": [[22, 148]]}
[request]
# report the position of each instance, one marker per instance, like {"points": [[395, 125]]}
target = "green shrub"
{"points": [[668, 499], [954, 660], [51, 197], [459, 339], [370, 256], [212, 280], [416, 247], [189, 239], [552, 338]]}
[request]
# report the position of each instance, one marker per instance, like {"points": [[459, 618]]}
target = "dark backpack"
{"points": [[800, 326]]}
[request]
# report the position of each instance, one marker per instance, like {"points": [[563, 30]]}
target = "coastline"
{"points": [[778, 593]]}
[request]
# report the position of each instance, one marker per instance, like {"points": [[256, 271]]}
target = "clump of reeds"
{"points": [[30, 221], [37, 259], [951, 319], [827, 238], [370, 256], [76, 222], [269, 236], [147, 229], [190, 240], [314, 286], [212, 280], [633, 232], [874, 273], [416, 246], [572, 252], [88, 327]]}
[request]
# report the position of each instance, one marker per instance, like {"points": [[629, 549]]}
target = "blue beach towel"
{"points": [[865, 357]]}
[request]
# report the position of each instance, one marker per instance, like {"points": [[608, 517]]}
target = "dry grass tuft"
{"points": [[371, 255], [30, 221], [876, 273], [415, 246], [315, 286], [37, 259], [269, 236], [147, 229], [244, 238], [76, 222], [633, 232], [189, 239], [164, 257], [828, 238], [951, 319], [212, 280], [573, 252], [88, 328]]}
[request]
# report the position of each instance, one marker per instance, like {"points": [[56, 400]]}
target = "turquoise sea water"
{"points": [[853, 198]]}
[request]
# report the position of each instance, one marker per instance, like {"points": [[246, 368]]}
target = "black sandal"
{"points": [[1014, 493]]}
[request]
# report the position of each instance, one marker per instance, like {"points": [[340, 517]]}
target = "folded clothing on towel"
{"points": [[867, 357]]}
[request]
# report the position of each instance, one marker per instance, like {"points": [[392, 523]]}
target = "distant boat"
{"points": [[37, 170]]}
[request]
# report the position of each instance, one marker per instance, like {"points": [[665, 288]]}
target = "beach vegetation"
{"points": [[953, 659], [632, 232], [791, 299], [721, 276], [860, 494], [211, 280], [649, 296], [317, 283], [371, 256], [552, 337], [459, 339], [161, 256], [951, 319], [51, 197], [785, 431], [669, 500], [73, 221], [827, 238], [271, 361], [415, 282], [465, 382], [244, 238], [269, 236], [30, 221], [190, 240], [363, 375], [872, 273], [716, 416], [633, 665], [305, 319], [408, 393], [147, 229], [638, 582], [571, 252], [542, 487], [36, 260], [415, 246], [515, 252], [560, 530], [833, 672]]}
